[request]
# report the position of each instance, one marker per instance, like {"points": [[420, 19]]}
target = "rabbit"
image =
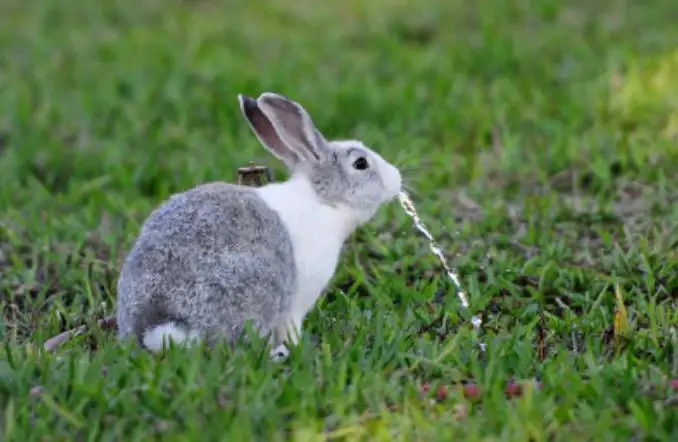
{"points": [[213, 258]]}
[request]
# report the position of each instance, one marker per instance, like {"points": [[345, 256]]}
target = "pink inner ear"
{"points": [[294, 125], [266, 132]]}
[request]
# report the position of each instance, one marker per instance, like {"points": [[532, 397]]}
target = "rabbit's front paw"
{"points": [[289, 331], [279, 353]]}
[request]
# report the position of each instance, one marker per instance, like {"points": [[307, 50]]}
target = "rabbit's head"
{"points": [[343, 173]]}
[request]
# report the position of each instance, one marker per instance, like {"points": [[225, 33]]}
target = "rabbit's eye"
{"points": [[360, 163]]}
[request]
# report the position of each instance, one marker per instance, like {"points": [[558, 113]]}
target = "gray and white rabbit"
{"points": [[218, 255]]}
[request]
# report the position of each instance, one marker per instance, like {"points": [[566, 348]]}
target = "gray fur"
{"points": [[209, 259], [336, 182], [217, 256]]}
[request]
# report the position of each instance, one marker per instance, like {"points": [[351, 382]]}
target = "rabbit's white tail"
{"points": [[159, 336]]}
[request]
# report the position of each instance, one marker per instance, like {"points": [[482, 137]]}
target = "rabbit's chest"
{"points": [[316, 260], [316, 231]]}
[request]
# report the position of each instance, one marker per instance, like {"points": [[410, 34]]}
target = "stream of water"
{"points": [[408, 206]]}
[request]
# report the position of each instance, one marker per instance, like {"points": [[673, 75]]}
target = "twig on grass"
{"points": [[107, 323]]}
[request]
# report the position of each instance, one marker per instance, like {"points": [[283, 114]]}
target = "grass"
{"points": [[539, 137]]}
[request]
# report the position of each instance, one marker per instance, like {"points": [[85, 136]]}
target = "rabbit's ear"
{"points": [[265, 131], [294, 125]]}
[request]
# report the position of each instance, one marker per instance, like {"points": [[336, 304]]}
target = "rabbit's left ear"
{"points": [[294, 125]]}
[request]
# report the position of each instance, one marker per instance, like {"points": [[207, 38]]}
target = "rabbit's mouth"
{"points": [[393, 182]]}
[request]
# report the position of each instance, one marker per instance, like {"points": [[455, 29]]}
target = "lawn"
{"points": [[538, 138]]}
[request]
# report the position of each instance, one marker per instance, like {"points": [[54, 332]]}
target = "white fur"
{"points": [[317, 231], [158, 337]]}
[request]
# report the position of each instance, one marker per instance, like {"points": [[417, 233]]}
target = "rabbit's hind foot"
{"points": [[279, 353]]}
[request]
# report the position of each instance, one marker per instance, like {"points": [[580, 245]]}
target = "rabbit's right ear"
{"points": [[265, 131], [294, 125]]}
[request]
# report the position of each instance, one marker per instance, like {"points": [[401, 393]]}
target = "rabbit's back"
{"points": [[208, 259]]}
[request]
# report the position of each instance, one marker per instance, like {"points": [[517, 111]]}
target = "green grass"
{"points": [[539, 136]]}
